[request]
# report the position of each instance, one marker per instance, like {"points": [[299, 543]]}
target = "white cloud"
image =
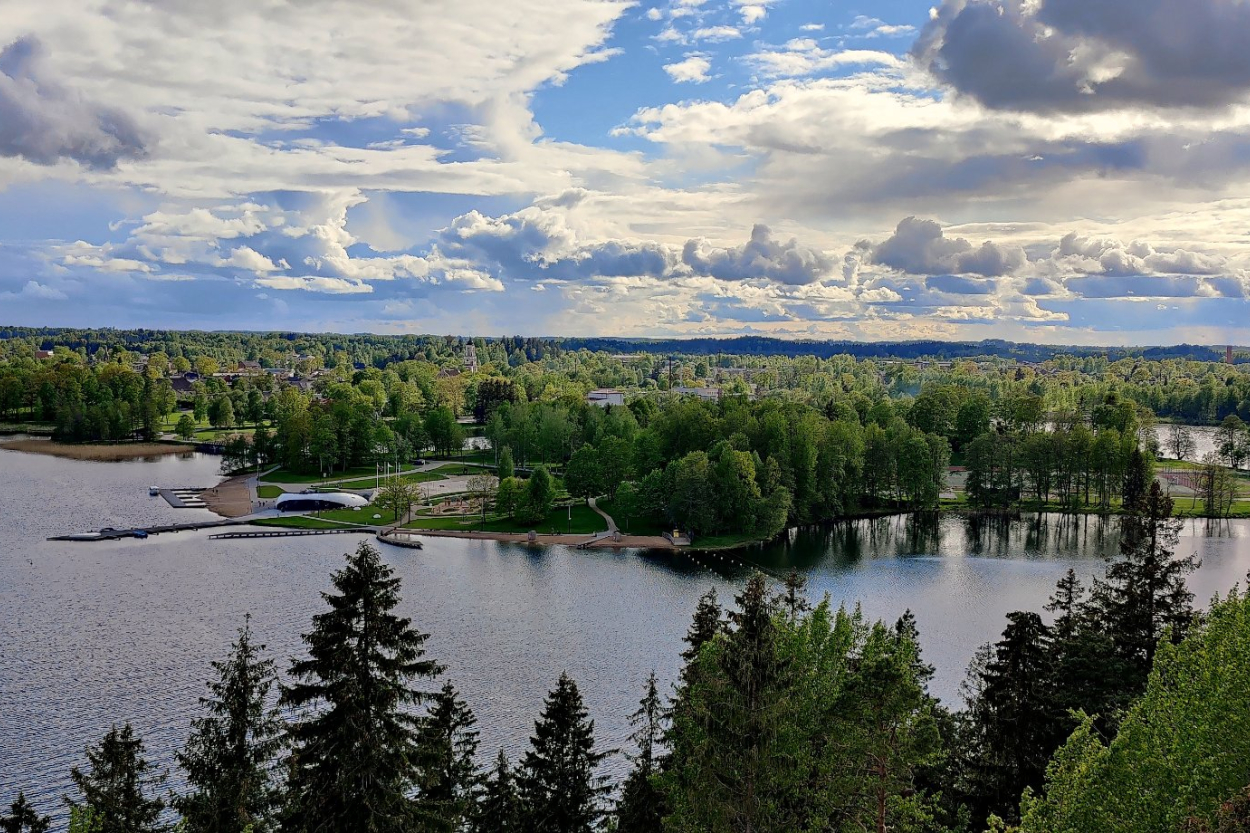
{"points": [[693, 69], [716, 34]]}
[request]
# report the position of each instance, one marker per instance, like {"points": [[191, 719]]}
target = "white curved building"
{"points": [[310, 501]]}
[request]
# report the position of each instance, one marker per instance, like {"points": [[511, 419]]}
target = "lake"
{"points": [[112, 631]]}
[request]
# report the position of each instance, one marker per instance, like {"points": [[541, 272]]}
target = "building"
{"points": [[250, 367], [311, 501], [470, 358], [706, 394], [603, 397], [43, 354]]}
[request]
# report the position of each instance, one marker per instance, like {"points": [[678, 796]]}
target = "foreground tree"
{"points": [[446, 747], [229, 756], [641, 808], [117, 791], [22, 818], [498, 807], [353, 761], [558, 788]]}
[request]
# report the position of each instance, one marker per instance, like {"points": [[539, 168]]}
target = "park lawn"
{"points": [[415, 477], [269, 492], [586, 521], [287, 476], [724, 542], [635, 525], [352, 516], [299, 522]]}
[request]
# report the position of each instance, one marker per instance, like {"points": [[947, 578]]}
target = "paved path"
{"points": [[612, 530]]}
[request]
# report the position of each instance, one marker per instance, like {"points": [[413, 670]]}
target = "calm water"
{"points": [[94, 633]]}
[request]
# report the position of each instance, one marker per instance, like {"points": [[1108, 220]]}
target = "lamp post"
{"points": [[570, 519]]}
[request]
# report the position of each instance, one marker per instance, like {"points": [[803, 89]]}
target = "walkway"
{"points": [[612, 530]]}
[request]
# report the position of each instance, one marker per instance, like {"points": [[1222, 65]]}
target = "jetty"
{"points": [[111, 534], [400, 540], [282, 533]]}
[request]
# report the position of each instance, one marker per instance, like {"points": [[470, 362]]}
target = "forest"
{"points": [[726, 445], [1130, 711]]}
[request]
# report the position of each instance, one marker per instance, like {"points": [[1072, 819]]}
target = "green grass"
{"points": [[722, 542], [287, 476], [299, 522], [586, 521], [351, 516], [415, 477], [269, 492], [633, 525]]}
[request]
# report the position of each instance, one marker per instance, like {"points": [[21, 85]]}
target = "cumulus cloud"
{"points": [[804, 56], [44, 122], [1077, 55], [920, 247], [693, 69], [761, 257]]}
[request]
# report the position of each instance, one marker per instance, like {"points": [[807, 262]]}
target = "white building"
{"points": [[603, 397]]}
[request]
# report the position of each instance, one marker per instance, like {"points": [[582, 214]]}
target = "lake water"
{"points": [[103, 632]]}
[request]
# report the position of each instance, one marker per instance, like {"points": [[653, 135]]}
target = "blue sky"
{"points": [[1053, 170]]}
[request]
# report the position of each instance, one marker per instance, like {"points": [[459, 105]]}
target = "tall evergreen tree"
{"points": [[498, 807], [557, 784], [792, 598], [353, 760], [641, 808], [230, 754], [1014, 718], [1144, 592], [22, 818], [1136, 481], [707, 623], [116, 789], [446, 747]]}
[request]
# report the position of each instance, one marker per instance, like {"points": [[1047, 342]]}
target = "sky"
{"points": [[1056, 171]]}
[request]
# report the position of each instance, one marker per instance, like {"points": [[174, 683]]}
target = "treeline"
{"points": [[1129, 712]]}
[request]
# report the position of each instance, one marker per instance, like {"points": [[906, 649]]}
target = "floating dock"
{"points": [[183, 498], [110, 534]]}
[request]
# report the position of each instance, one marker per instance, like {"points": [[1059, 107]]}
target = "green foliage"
{"points": [[22, 818], [446, 746], [558, 789], [1182, 750], [117, 790], [498, 806], [353, 760], [506, 468], [535, 502], [229, 756], [641, 806]]}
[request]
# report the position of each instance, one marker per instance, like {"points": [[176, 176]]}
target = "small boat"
{"points": [[154, 490]]}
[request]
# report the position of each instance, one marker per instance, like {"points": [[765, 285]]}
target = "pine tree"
{"points": [[22, 818], [498, 807], [116, 787], [641, 807], [229, 756], [1144, 592], [557, 785], [353, 757], [446, 746]]}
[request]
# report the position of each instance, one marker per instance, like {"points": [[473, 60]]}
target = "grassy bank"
{"points": [[586, 521]]}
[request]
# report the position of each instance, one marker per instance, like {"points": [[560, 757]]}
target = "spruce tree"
{"points": [[1144, 592], [1136, 481], [446, 747], [22, 818], [641, 807], [115, 789], [707, 624], [792, 598], [1014, 718], [498, 807], [557, 784], [230, 754], [353, 761]]}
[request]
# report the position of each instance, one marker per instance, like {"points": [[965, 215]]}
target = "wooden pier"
{"points": [[110, 534], [399, 540], [282, 533]]}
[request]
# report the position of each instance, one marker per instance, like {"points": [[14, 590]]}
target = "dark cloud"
{"points": [[919, 247], [1081, 55], [43, 122], [762, 257]]}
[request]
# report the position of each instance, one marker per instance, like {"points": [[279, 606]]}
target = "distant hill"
{"points": [[762, 346]]}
